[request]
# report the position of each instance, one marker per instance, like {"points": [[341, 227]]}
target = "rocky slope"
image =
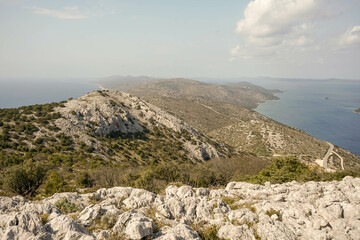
{"points": [[248, 131], [105, 112], [312, 210], [222, 112], [81, 124]]}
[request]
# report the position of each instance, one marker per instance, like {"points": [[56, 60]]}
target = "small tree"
{"points": [[84, 180], [25, 180], [55, 183]]}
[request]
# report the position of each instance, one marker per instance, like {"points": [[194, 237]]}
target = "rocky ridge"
{"points": [[312, 210], [104, 112]]}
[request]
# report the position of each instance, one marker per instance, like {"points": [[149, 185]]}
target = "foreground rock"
{"points": [[313, 210]]}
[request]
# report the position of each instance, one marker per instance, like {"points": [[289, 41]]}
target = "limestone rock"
{"points": [[179, 232], [89, 214], [61, 225], [134, 224], [106, 112], [233, 232], [312, 210]]}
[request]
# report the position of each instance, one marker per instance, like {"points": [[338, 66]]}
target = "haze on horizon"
{"points": [[204, 38]]}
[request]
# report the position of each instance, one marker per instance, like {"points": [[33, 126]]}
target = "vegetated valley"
{"points": [[179, 132]]}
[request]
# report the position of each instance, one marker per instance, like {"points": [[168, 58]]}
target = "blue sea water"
{"points": [[21, 92], [325, 109]]}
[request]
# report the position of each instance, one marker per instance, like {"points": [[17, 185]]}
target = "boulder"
{"points": [[233, 232], [134, 224], [179, 232]]}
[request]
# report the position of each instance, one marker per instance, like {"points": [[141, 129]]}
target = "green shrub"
{"points": [[55, 183], [66, 206], [287, 169], [207, 233], [44, 218], [26, 179], [283, 170], [84, 180], [272, 211]]}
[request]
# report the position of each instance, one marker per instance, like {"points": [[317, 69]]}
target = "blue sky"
{"points": [[162, 38]]}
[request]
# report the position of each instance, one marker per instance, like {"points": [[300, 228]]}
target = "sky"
{"points": [[180, 38]]}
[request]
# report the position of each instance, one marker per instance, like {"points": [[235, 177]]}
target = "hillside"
{"points": [[222, 112], [99, 133], [244, 94], [87, 142], [83, 122], [248, 131], [313, 210], [357, 110], [85, 164]]}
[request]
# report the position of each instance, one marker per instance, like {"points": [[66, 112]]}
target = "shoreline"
{"points": [[269, 100], [101, 87]]}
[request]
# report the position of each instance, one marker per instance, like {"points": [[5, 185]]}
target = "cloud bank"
{"points": [[351, 37], [276, 29]]}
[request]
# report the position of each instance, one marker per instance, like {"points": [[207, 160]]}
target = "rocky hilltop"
{"points": [[312, 210], [102, 113]]}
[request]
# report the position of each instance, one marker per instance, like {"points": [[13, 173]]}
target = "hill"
{"points": [[357, 110], [248, 131], [222, 112], [244, 94], [89, 140], [108, 138]]}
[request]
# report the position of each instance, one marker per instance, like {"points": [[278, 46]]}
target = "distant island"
{"points": [[357, 110]]}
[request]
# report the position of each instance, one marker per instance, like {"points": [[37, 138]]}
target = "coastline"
{"points": [[101, 87], [269, 100], [357, 111]]}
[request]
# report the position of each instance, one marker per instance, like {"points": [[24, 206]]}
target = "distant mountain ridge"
{"points": [[243, 93]]}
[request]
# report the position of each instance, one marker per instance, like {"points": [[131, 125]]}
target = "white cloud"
{"points": [[280, 27], [351, 37], [70, 13], [268, 18], [252, 52]]}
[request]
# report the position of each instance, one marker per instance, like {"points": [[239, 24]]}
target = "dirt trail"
{"points": [[328, 154]]}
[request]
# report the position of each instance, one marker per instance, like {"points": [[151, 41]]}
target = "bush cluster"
{"points": [[287, 169], [25, 179]]}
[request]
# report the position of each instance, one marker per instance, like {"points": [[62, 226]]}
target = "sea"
{"points": [[23, 92], [322, 108]]}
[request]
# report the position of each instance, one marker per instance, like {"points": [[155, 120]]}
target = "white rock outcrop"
{"points": [[312, 210], [105, 112]]}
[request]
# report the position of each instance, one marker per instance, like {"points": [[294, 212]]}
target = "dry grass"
{"points": [[44, 218]]}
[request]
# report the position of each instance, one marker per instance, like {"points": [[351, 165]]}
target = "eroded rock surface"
{"points": [[104, 112], [313, 210]]}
